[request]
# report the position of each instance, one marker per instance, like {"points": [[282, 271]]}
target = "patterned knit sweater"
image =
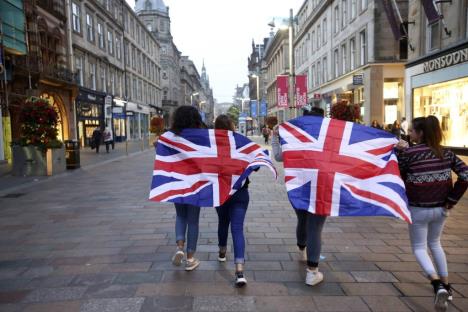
{"points": [[428, 179]]}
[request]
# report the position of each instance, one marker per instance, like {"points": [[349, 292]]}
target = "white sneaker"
{"points": [[441, 300], [313, 277], [177, 258], [191, 264], [241, 281]]}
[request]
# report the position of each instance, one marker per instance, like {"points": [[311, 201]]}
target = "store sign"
{"points": [[117, 110], [317, 96], [91, 97], [358, 80], [447, 60], [108, 100]]}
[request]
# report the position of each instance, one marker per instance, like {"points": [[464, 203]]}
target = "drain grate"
{"points": [[13, 195]]}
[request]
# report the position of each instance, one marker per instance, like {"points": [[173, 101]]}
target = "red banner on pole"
{"points": [[282, 90], [301, 91]]}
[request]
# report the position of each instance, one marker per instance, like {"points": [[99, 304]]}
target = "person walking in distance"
{"points": [[426, 168], [266, 134], [233, 212], [187, 216], [108, 138], [309, 226], [96, 139]]}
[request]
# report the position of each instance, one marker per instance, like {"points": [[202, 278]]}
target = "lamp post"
{"points": [[292, 105], [258, 98]]}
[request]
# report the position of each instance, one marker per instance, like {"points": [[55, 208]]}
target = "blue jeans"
{"points": [[314, 238], [187, 222], [426, 230], [233, 212]]}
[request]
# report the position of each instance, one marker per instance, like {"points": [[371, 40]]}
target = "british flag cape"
{"points": [[204, 167], [338, 168]]}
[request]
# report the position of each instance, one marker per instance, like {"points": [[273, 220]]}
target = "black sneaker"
{"points": [[222, 256], [448, 288], [240, 279], [441, 296]]}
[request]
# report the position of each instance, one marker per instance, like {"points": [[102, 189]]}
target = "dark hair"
{"points": [[314, 111], [224, 122], [185, 117], [433, 135]]}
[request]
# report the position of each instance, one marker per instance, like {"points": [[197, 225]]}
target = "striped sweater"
{"points": [[428, 179]]}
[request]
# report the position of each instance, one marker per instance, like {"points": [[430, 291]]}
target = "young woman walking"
{"points": [[309, 226], [187, 216], [426, 169], [233, 212]]}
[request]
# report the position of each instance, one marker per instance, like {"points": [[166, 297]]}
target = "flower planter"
{"points": [[31, 161]]}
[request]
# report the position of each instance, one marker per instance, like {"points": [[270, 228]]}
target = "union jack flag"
{"points": [[338, 168], [204, 167]]}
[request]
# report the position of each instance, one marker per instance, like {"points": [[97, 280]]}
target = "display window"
{"points": [[448, 101]]}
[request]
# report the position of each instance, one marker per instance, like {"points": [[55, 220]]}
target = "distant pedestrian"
{"points": [[108, 138], [404, 126], [187, 216], [96, 139], [309, 226], [375, 124], [266, 134], [426, 169], [396, 129], [233, 212]]}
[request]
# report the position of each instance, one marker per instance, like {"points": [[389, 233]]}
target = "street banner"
{"points": [[204, 167], [253, 108], [394, 24], [432, 14], [282, 90], [301, 91], [338, 168], [263, 108]]}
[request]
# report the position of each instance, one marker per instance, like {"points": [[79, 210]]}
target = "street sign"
{"points": [[358, 79]]}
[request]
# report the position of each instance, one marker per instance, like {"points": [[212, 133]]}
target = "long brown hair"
{"points": [[224, 122], [433, 135]]}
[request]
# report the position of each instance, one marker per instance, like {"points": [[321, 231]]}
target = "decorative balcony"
{"points": [[55, 7]]}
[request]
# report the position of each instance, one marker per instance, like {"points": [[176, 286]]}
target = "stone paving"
{"points": [[91, 242]]}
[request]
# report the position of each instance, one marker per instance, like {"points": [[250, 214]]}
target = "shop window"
{"points": [[448, 101]]}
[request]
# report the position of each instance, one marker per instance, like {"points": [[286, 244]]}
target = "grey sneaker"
{"points": [[177, 258], [191, 264]]}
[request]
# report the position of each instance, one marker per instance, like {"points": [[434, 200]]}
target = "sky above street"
{"points": [[221, 33]]}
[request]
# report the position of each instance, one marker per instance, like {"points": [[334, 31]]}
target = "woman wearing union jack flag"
{"points": [[426, 168]]}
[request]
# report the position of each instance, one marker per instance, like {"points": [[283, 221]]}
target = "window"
{"points": [[92, 76], [103, 79], [107, 4], [76, 17], [319, 73], [309, 78], [134, 94], [433, 36], [353, 9], [112, 81], [79, 69], [312, 43], [161, 26], [363, 5], [336, 61], [134, 61], [127, 54], [132, 27], [314, 78], [319, 37], [337, 19], [325, 69], [363, 49], [110, 41], [90, 27], [352, 51], [343, 59], [100, 31], [138, 34], [344, 13], [140, 91], [118, 46], [324, 29], [149, 27]]}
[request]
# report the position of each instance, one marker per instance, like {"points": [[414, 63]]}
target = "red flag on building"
{"points": [[301, 90], [282, 90]]}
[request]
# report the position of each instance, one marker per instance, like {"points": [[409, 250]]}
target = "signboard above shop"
{"points": [[358, 80]]}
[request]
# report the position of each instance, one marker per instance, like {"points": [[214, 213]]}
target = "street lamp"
{"points": [[258, 98]]}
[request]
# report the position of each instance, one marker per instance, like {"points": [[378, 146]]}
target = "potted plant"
{"points": [[38, 151]]}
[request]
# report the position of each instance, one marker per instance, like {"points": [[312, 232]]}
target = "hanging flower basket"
{"points": [[347, 112]]}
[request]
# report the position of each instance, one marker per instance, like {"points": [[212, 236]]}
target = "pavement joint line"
{"points": [[69, 172]]}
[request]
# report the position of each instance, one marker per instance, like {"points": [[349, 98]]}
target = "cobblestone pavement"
{"points": [[91, 242]]}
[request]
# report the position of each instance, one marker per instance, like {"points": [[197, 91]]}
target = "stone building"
{"points": [[155, 15], [436, 75], [348, 52]]}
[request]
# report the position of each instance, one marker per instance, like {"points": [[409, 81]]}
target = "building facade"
{"points": [[437, 69], [155, 15], [142, 74], [207, 99], [275, 63], [348, 52], [41, 69]]}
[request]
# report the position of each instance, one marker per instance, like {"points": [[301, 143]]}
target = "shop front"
{"points": [[137, 121], [438, 85], [90, 114]]}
